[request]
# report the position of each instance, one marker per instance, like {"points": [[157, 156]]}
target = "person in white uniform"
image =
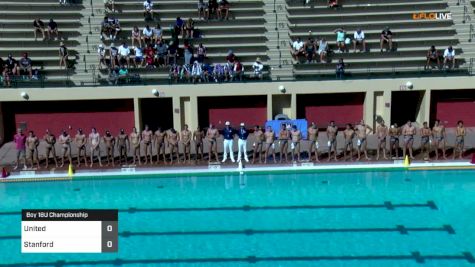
{"points": [[242, 133], [228, 134]]}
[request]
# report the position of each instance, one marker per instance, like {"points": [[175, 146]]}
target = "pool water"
{"points": [[396, 218]]}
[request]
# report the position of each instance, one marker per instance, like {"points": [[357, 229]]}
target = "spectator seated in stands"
{"points": [[25, 65], [386, 38], [101, 54], [188, 29], [185, 73], [136, 37], [228, 72], [157, 33], [223, 8], [230, 57], [359, 39], [149, 56], [340, 69], [297, 49], [147, 35], [174, 72], [162, 51], [105, 28], [113, 76], [203, 11], [432, 57], [201, 53], [52, 29], [238, 70], [148, 10], [332, 3], [114, 28], [39, 26], [63, 56], [11, 65], [449, 57], [188, 52], [218, 73], [197, 72], [139, 59], [309, 48], [340, 40], [208, 72], [36, 75], [257, 68], [123, 72], [323, 50], [172, 51], [124, 54], [114, 55], [213, 8], [7, 75], [109, 6], [179, 24]]}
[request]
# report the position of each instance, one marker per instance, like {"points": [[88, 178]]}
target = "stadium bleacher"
{"points": [[250, 33], [411, 38], [243, 33], [16, 35]]}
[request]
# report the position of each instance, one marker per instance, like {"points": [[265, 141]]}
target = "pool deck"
{"points": [[232, 169]]}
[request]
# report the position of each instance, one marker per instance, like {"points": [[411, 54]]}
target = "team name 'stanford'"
{"points": [[40, 244]]}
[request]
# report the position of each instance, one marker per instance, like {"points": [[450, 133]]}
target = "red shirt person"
{"points": [[20, 144]]}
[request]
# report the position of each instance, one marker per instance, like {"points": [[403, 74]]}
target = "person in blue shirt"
{"points": [[228, 135], [242, 133]]}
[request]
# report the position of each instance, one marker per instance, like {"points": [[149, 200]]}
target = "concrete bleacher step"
{"points": [[371, 25], [382, 6], [356, 17], [402, 33]]}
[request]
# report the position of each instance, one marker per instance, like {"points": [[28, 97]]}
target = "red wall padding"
{"points": [[449, 112], [111, 121], [342, 115], [252, 110], [250, 116], [57, 115], [321, 109]]}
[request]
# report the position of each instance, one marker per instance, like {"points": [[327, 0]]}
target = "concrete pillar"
{"points": [[293, 106], [137, 114], [387, 106], [368, 108], [269, 107], [176, 113], [193, 124], [424, 110]]}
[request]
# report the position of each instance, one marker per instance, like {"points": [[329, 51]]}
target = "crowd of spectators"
{"points": [[50, 30], [182, 53], [12, 69], [317, 49]]}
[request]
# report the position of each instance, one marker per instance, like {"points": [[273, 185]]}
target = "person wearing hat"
{"points": [[228, 134], [243, 133], [257, 67]]}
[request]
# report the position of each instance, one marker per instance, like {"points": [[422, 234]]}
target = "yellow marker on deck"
{"points": [[70, 170], [406, 161]]}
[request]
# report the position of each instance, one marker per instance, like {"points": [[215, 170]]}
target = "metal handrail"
{"points": [[465, 14], [471, 33]]}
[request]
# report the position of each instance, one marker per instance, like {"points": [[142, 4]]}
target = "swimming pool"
{"points": [[391, 218]]}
